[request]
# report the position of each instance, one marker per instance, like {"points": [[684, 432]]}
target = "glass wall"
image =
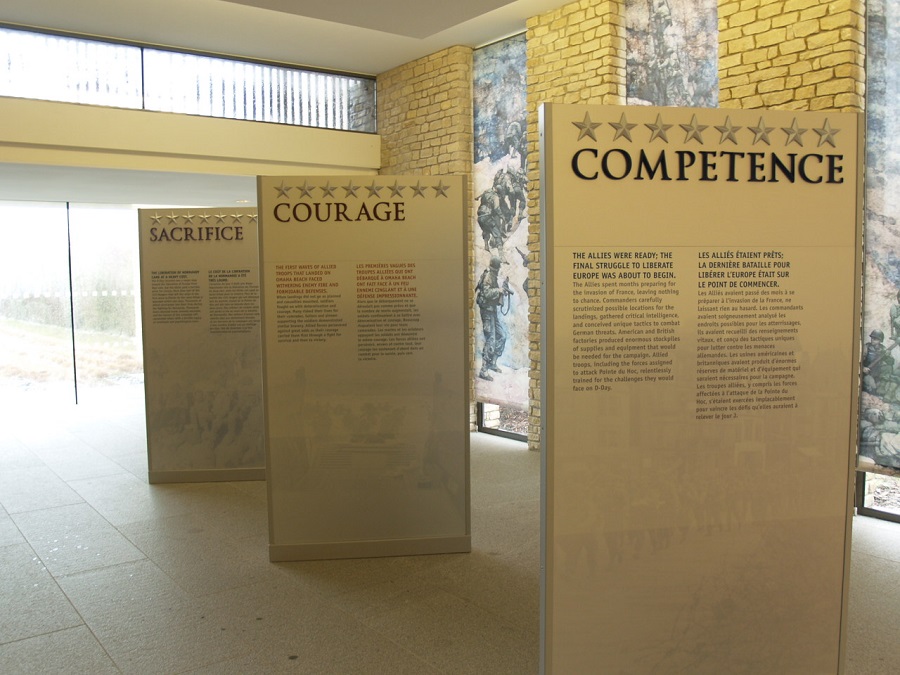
{"points": [[105, 296], [35, 308], [76, 70], [69, 300]]}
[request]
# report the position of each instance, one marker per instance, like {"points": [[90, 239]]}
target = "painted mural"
{"points": [[672, 52], [879, 446], [501, 227]]}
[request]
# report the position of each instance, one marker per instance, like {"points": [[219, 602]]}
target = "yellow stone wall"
{"points": [[425, 119], [792, 54], [575, 54], [425, 115], [785, 54]]}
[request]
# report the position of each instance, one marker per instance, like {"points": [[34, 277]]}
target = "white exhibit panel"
{"points": [[200, 309], [365, 365], [700, 384]]}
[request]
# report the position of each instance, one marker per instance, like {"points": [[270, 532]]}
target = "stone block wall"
{"points": [[784, 54], [792, 54], [425, 119], [575, 54]]}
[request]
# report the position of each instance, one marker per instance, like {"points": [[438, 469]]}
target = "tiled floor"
{"points": [[102, 573]]}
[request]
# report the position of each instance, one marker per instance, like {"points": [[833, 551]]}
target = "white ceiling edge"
{"points": [[39, 183], [233, 29], [224, 28]]}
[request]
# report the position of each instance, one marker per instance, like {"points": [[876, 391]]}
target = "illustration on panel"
{"points": [[879, 419], [501, 213], [672, 53]]}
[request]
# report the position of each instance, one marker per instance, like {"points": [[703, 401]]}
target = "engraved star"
{"points": [[418, 189], [189, 219], [305, 189], [826, 134], [658, 129], [328, 190], [586, 127], [374, 190], [693, 130], [396, 189], [794, 133], [350, 189], [728, 131], [283, 190], [237, 218], [761, 132], [440, 190], [220, 218], [173, 219], [204, 218], [253, 218], [623, 128], [156, 218]]}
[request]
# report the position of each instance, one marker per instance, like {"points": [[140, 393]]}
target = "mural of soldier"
{"points": [[490, 220], [672, 52], [878, 367], [881, 300], [501, 225], [492, 299]]}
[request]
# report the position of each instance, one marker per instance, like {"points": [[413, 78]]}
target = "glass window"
{"points": [[75, 70], [215, 87], [105, 296], [54, 68], [35, 316]]}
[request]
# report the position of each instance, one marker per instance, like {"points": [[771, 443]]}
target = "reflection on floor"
{"points": [[102, 573]]}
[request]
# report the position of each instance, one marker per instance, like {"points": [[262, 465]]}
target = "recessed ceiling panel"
{"points": [[409, 18]]}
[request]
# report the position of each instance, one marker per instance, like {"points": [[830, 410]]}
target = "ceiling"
{"points": [[356, 36], [365, 37]]}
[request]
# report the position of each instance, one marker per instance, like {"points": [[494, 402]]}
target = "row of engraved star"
{"points": [[694, 131], [351, 189], [204, 218]]}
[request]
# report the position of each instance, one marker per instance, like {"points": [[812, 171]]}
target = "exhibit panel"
{"points": [[700, 281], [200, 308], [365, 365]]}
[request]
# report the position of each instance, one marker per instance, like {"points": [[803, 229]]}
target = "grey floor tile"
{"points": [[124, 498], [73, 651], [71, 462], [442, 629], [176, 579], [34, 488], [14, 455], [75, 538], [9, 533], [199, 560], [146, 623], [31, 602]]}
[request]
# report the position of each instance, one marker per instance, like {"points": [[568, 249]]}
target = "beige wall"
{"points": [[788, 54], [65, 134], [576, 54], [792, 54], [425, 121]]}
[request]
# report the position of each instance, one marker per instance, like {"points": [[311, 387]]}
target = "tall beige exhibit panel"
{"points": [[200, 312], [364, 365], [700, 298]]}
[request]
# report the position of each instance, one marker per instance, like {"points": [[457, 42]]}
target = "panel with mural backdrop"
{"points": [[672, 56], [202, 349], [700, 303], [365, 373], [501, 229], [879, 433]]}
